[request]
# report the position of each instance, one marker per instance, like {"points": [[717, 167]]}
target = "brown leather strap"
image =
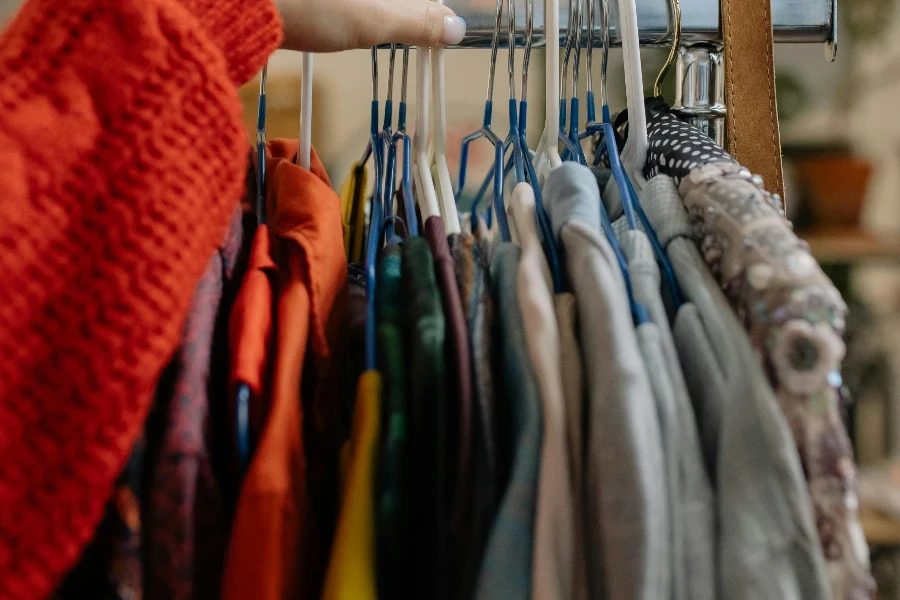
{"points": [[752, 116]]}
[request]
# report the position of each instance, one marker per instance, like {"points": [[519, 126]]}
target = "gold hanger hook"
{"points": [[670, 60]]}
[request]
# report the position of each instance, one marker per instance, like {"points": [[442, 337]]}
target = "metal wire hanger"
{"points": [[390, 141], [486, 132]]}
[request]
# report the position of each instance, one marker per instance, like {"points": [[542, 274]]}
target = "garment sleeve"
{"points": [[122, 155]]}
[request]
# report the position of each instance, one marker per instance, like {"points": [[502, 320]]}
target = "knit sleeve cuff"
{"points": [[247, 32]]}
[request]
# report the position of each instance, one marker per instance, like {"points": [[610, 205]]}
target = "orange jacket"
{"points": [[277, 550]]}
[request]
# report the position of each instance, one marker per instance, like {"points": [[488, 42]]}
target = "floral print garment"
{"points": [[795, 319]]}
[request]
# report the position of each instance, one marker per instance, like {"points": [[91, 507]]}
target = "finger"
{"points": [[414, 23]]}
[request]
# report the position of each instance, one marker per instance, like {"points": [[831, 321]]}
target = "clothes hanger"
{"points": [[517, 141], [605, 127], [427, 195], [548, 153], [634, 155], [547, 156], [675, 5], [571, 146], [543, 219], [411, 222], [375, 149], [306, 94], [242, 394], [630, 202], [443, 183], [387, 140], [487, 133], [513, 139], [261, 149], [666, 268], [638, 310]]}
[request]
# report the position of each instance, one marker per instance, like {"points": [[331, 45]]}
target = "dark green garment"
{"points": [[473, 280], [506, 566], [425, 331], [390, 517]]}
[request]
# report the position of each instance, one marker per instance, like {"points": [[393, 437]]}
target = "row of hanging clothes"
{"points": [[616, 376]]}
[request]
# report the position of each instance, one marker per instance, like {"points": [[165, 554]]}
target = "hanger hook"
{"points": [[374, 73], [675, 6], [604, 57], [570, 29], [511, 40], [495, 43], [405, 74], [591, 16], [579, 9], [390, 90], [529, 40]]}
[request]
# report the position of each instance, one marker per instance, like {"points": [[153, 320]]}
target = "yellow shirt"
{"points": [[351, 568], [353, 211]]}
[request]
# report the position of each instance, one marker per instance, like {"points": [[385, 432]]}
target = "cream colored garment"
{"points": [[554, 546], [573, 392]]}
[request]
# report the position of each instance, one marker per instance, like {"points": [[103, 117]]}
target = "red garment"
{"points": [[123, 155], [276, 550], [250, 329], [186, 523]]}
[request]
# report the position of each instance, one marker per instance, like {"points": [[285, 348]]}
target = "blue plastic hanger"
{"points": [[513, 140], [391, 141], [242, 394], [375, 149], [412, 222], [521, 157], [487, 133], [545, 228], [386, 138], [516, 140], [572, 145], [261, 149], [630, 202], [574, 152]]}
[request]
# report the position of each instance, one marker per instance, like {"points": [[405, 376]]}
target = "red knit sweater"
{"points": [[121, 157]]}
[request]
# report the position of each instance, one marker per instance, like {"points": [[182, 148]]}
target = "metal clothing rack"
{"points": [[700, 74], [806, 21]]}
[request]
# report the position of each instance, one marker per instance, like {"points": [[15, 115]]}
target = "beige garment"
{"points": [[554, 546], [573, 393]]}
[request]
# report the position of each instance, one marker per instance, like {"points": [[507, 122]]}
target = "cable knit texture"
{"points": [[122, 156]]}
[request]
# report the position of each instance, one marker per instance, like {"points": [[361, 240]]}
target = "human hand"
{"points": [[333, 25]]}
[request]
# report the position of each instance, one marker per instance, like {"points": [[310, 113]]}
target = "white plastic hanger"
{"points": [[428, 202], [306, 94], [634, 155], [547, 156], [444, 184]]}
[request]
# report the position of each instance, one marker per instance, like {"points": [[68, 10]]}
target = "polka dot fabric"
{"points": [[677, 148]]}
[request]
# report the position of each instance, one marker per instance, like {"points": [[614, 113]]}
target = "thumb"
{"points": [[415, 23]]}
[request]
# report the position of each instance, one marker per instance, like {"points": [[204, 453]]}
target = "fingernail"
{"points": [[454, 30]]}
